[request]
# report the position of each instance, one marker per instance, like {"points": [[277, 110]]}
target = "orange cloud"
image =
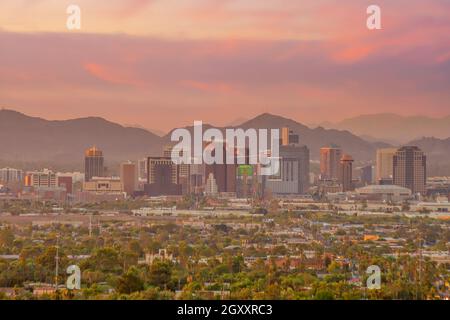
{"points": [[354, 54], [112, 75]]}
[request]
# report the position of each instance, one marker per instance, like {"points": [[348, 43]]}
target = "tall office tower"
{"points": [[366, 175], [329, 163], [225, 174], [293, 176], [93, 163], [288, 137], [183, 170], [162, 177], [385, 164], [196, 178], [142, 169], [8, 175], [410, 169], [128, 177], [167, 151], [346, 173]]}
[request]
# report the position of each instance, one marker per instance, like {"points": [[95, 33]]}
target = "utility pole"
{"points": [[420, 265], [90, 225], [418, 284], [57, 262]]}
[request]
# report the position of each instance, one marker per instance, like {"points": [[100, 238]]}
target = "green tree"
{"points": [[160, 274], [130, 282]]}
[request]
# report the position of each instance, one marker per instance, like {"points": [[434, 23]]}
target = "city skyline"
{"points": [[311, 62], [232, 150]]}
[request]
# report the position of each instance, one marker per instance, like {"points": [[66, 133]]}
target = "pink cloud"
{"points": [[354, 53], [443, 58], [401, 68], [112, 75]]}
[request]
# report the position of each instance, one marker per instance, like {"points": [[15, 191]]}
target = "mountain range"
{"points": [[31, 139], [393, 128], [313, 138]]}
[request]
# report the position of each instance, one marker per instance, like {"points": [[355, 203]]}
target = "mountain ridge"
{"points": [[34, 139], [26, 138], [393, 127]]}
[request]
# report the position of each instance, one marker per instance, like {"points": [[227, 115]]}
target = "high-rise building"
{"points": [[225, 174], [93, 163], [211, 185], [346, 173], [366, 175], [183, 170], [329, 163], [8, 175], [410, 169], [293, 176], [288, 137], [197, 178], [385, 164], [128, 176], [162, 178], [142, 169]]}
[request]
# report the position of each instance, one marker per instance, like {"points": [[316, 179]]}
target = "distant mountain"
{"points": [[25, 138], [30, 139], [438, 154], [236, 122], [394, 128], [154, 131], [313, 138]]}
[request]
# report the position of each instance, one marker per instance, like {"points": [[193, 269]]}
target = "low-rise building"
{"points": [[100, 184], [384, 193]]}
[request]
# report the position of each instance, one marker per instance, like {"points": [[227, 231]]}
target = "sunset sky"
{"points": [[164, 63]]}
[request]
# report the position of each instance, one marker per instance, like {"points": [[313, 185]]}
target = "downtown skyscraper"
{"points": [[93, 163], [330, 158], [410, 169]]}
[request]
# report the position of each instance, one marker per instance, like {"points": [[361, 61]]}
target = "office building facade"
{"points": [[410, 169], [128, 176], [346, 173], [330, 158], [385, 164], [162, 177], [93, 163], [293, 176]]}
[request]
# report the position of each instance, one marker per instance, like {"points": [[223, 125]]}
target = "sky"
{"points": [[162, 64]]}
